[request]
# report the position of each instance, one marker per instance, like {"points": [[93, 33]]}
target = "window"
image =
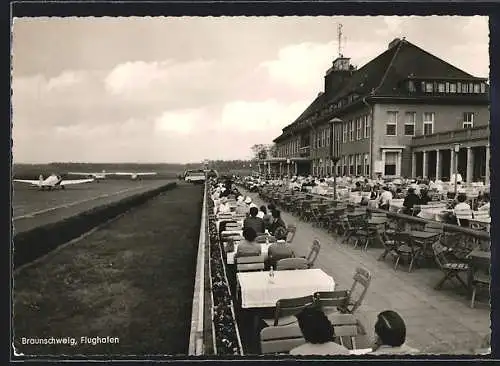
{"points": [[392, 121], [477, 88], [323, 137], [344, 132], [359, 165], [358, 128], [429, 87], [411, 117], [367, 165], [351, 130], [483, 88], [453, 88], [447, 87], [411, 86], [468, 120], [441, 87], [391, 159], [471, 87], [428, 123], [459, 87], [465, 88], [351, 164], [328, 135], [367, 127]]}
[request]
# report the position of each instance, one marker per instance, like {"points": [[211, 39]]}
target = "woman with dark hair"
{"points": [[318, 333], [390, 335], [248, 247]]}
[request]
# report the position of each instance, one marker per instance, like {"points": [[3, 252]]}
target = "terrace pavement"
{"points": [[438, 322]]}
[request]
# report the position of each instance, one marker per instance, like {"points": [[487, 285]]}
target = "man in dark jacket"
{"points": [[254, 222], [411, 200]]}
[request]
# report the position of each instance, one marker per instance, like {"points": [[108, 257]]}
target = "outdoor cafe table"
{"points": [[423, 238], [258, 292], [230, 255]]}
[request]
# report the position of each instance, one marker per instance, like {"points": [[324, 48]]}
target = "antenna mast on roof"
{"points": [[339, 36]]}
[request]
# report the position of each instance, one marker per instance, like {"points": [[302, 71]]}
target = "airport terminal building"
{"points": [[406, 113]]}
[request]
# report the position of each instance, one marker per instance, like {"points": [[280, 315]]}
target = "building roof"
{"points": [[383, 76]]}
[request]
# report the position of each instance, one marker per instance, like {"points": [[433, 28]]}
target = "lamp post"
{"points": [[334, 155], [456, 149]]}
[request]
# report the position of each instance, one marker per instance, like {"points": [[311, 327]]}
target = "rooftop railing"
{"points": [[464, 134]]}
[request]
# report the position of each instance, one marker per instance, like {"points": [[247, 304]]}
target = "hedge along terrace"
{"points": [[32, 244], [132, 279]]}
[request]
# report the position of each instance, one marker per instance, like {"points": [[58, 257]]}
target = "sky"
{"points": [[185, 89]]}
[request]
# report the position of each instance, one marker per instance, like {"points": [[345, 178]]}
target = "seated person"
{"points": [[424, 196], [390, 333], [254, 222], [462, 204], [267, 217], [277, 228], [248, 247], [318, 333], [385, 199], [277, 251], [486, 203], [411, 200]]}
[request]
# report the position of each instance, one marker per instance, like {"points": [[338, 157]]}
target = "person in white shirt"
{"points": [[385, 199], [390, 334], [224, 206], [462, 204], [318, 333]]}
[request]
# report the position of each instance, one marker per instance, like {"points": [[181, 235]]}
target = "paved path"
{"points": [[437, 321]]}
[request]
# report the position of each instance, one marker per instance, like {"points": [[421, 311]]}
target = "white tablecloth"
{"points": [[230, 255], [258, 292], [435, 214], [396, 205]]}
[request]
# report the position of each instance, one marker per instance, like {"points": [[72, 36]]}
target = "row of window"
{"points": [[356, 129], [289, 148], [465, 87], [391, 127], [358, 164]]}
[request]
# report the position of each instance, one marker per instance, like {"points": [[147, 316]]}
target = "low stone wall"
{"points": [[32, 244]]}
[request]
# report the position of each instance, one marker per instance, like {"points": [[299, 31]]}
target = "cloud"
{"points": [[179, 122], [300, 64], [64, 80], [131, 78], [269, 115]]}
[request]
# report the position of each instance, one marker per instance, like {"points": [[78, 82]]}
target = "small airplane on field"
{"points": [[103, 174], [53, 181], [135, 175], [96, 176]]}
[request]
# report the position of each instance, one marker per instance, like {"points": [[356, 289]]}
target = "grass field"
{"points": [[132, 279]]}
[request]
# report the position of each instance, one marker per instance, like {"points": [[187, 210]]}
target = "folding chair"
{"points": [[291, 230], [313, 253], [281, 339], [330, 301], [250, 263], [345, 328], [451, 267], [292, 263], [286, 309], [362, 278]]}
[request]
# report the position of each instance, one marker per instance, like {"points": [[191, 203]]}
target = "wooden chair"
{"points": [[286, 309], [313, 253], [345, 329], [291, 230], [362, 278], [281, 339], [292, 263], [463, 217], [480, 276], [250, 263], [406, 248], [451, 267], [330, 301]]}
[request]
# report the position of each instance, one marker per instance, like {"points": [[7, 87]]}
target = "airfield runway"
{"points": [[32, 207]]}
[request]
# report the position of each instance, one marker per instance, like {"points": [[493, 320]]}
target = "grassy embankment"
{"points": [[132, 279]]}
